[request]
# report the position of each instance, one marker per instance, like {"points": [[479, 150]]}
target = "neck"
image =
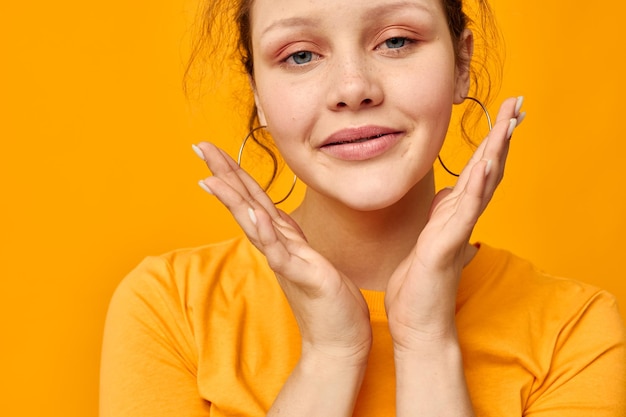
{"points": [[366, 246]]}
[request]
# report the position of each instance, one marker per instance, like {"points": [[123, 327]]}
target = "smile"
{"points": [[358, 144], [355, 140]]}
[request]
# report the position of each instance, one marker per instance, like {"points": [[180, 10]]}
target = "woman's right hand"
{"points": [[331, 313]]}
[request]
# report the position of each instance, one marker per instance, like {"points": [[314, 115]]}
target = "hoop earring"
{"points": [[243, 144], [482, 106]]}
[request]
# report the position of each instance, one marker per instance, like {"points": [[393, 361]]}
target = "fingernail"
{"points": [[205, 187], [518, 105], [198, 151], [252, 215], [521, 118], [488, 167], [512, 124]]}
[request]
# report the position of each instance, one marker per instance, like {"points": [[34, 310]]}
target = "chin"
{"points": [[371, 200], [368, 191]]}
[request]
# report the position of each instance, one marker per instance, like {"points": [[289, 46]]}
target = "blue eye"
{"points": [[394, 43], [302, 57]]}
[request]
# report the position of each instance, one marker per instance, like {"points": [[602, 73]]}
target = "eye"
{"points": [[301, 57], [397, 46], [395, 43]]}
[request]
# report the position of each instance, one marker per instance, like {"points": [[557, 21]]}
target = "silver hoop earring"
{"points": [[239, 155], [482, 106]]}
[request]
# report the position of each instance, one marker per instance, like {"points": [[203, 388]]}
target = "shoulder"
{"points": [[510, 296], [505, 292], [561, 342], [509, 280], [185, 267], [158, 324], [187, 279]]}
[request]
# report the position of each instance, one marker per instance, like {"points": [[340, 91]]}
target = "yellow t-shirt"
{"points": [[208, 332]]}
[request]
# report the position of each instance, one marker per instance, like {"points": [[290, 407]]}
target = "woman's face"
{"points": [[357, 94]]}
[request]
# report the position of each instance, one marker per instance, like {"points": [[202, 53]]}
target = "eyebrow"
{"points": [[386, 9], [291, 22], [374, 13]]}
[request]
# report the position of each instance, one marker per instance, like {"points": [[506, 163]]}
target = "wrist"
{"points": [[426, 336], [334, 358], [430, 380], [321, 384], [419, 349]]}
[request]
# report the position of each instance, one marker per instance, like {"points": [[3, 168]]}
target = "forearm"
{"points": [[430, 381], [319, 387]]}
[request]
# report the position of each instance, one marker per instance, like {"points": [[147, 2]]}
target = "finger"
{"points": [[487, 173], [439, 197], [218, 163], [499, 131], [270, 242], [234, 193], [286, 257], [483, 173], [223, 166], [234, 201], [508, 109], [269, 229], [472, 203], [483, 176], [492, 146], [226, 183], [287, 220], [496, 152], [253, 187], [468, 207], [254, 221], [286, 229]]}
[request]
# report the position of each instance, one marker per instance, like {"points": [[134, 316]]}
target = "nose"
{"points": [[356, 85]]}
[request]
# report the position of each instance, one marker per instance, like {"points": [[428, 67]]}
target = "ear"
{"points": [[257, 104], [462, 82]]}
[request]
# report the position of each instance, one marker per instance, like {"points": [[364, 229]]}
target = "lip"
{"points": [[361, 143]]}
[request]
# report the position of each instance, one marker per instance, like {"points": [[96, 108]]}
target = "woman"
{"points": [[368, 298]]}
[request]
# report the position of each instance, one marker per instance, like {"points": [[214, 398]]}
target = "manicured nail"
{"points": [[488, 167], [252, 215], [518, 105], [512, 124], [198, 151], [205, 187], [521, 118]]}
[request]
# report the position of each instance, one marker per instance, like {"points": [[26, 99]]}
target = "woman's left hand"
{"points": [[421, 293]]}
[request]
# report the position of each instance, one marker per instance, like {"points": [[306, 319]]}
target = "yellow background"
{"points": [[97, 170]]}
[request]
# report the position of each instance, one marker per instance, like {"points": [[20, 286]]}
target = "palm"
{"points": [[331, 313], [421, 293]]}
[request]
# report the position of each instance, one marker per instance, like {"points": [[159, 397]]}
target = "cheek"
{"points": [[291, 113], [287, 107], [425, 86], [427, 96]]}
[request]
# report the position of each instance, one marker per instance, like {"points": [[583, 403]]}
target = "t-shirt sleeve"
{"points": [[587, 375], [149, 359]]}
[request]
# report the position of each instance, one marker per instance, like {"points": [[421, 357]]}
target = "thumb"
{"points": [[291, 222], [442, 194]]}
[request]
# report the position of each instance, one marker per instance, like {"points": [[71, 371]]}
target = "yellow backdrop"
{"points": [[97, 170]]}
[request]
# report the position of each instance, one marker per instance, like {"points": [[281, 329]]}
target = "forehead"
{"points": [[269, 15]]}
